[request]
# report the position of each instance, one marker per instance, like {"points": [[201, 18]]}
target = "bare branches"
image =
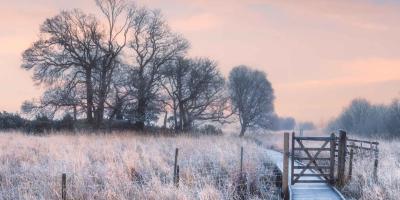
{"points": [[196, 89]]}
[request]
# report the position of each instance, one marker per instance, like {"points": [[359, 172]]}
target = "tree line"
{"points": [[366, 119], [125, 64]]}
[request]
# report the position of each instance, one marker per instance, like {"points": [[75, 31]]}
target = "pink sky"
{"points": [[318, 54]]}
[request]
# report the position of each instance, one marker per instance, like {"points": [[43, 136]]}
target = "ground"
{"points": [[132, 166], [129, 166]]}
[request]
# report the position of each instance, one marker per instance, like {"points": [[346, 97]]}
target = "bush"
{"points": [[40, 125], [11, 121], [67, 123], [209, 129]]}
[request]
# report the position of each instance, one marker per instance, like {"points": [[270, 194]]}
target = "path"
{"points": [[306, 191]]}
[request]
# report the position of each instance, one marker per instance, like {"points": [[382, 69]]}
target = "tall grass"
{"points": [[127, 166], [364, 186]]}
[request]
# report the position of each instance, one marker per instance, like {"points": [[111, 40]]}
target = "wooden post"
{"points": [[342, 157], [177, 176], [285, 174], [332, 159], [351, 164], [241, 161], [64, 187], [292, 162], [376, 164], [176, 168]]}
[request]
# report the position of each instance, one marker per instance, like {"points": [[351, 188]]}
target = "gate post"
{"points": [[332, 157], [342, 157], [285, 174]]}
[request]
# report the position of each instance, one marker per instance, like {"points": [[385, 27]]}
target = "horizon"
{"points": [[318, 56]]}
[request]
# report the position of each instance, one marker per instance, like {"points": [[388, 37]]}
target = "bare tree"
{"points": [[196, 91], [75, 49], [251, 96], [119, 20], [153, 45], [66, 47]]}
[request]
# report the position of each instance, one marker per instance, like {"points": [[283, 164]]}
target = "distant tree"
{"points": [[281, 123], [307, 126], [196, 91], [251, 96], [364, 118], [393, 119], [153, 45]]}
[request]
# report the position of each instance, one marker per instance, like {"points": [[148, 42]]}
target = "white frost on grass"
{"points": [[128, 166]]}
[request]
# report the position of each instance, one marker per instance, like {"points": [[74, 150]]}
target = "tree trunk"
{"points": [[141, 112], [75, 113], [182, 117], [242, 130], [89, 97], [165, 119], [175, 119]]}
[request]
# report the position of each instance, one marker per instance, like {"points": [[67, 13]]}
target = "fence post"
{"points": [[376, 164], [285, 174], [332, 159], [351, 164], [176, 169], [241, 161], [342, 157], [64, 187], [292, 161], [177, 176]]}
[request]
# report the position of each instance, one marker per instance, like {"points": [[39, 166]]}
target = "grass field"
{"points": [[387, 186], [131, 166], [128, 166]]}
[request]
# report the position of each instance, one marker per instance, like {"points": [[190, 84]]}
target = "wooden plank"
{"points": [[312, 149], [342, 158], [304, 158], [332, 160], [355, 140], [360, 147], [313, 167], [292, 160], [314, 138], [316, 174], [311, 181]]}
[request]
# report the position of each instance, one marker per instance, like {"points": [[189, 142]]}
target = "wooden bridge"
{"points": [[308, 167], [306, 191]]}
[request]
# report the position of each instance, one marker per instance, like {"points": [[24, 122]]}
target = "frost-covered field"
{"points": [[387, 186], [127, 166]]}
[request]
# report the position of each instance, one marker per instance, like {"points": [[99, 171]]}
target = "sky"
{"points": [[318, 55]]}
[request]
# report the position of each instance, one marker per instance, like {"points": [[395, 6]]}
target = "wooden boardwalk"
{"points": [[306, 191]]}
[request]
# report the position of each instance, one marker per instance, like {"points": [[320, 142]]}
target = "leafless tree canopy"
{"points": [[252, 97], [153, 45], [128, 65], [196, 91]]}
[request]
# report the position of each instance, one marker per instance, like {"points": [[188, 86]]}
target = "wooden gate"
{"points": [[313, 154]]}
